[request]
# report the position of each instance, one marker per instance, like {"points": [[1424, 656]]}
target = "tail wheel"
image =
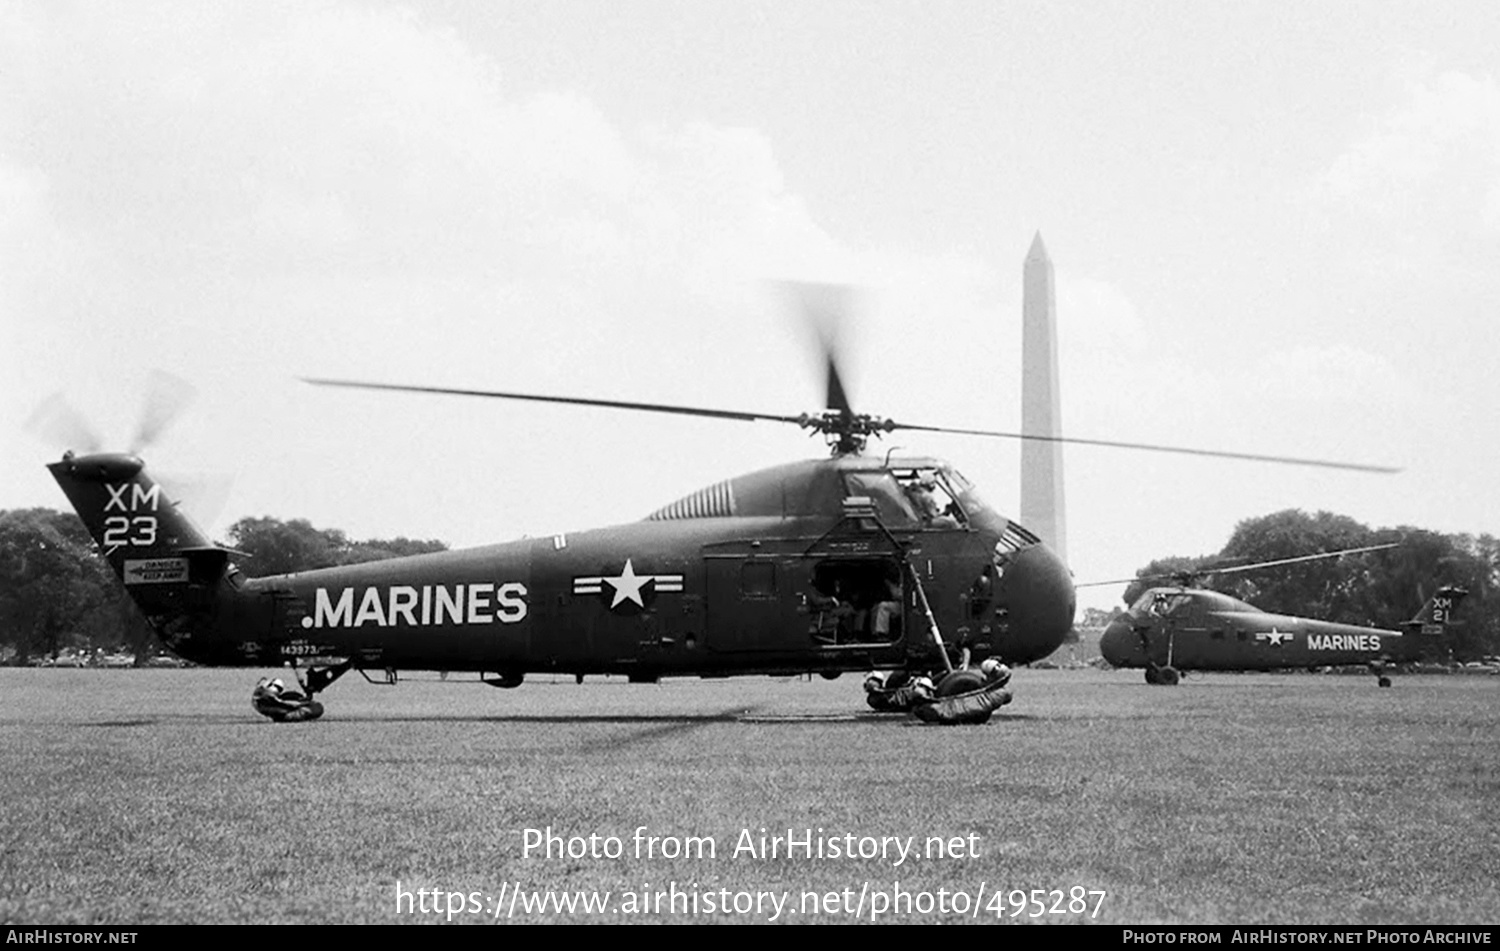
{"points": [[1384, 681]]}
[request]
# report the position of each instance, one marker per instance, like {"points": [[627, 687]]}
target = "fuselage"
{"points": [[1193, 629], [775, 571]]}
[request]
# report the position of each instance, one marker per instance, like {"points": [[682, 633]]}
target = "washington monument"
{"points": [[1042, 508]]}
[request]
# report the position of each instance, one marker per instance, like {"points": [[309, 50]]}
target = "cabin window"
{"points": [[1216, 635], [758, 579], [1014, 538]]}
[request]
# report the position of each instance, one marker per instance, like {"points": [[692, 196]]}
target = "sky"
{"points": [[1275, 228]]}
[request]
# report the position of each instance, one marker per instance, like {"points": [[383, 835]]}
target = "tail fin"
{"points": [[154, 548], [1438, 610], [1430, 624], [124, 509]]}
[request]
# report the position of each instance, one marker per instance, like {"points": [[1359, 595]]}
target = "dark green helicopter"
{"points": [[1183, 626], [849, 563]]}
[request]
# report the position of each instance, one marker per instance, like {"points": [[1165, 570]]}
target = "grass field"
{"points": [[145, 796]]}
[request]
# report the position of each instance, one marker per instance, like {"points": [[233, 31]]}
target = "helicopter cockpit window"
{"points": [[964, 491], [1158, 602], [890, 502], [931, 498]]}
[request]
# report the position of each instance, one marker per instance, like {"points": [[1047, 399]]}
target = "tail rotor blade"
{"points": [[202, 496], [166, 397], [58, 423]]}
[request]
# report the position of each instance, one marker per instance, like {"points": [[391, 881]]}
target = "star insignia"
{"points": [[627, 585], [1274, 636], [627, 588]]}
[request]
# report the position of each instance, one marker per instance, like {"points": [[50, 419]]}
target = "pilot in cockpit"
{"points": [[923, 492]]}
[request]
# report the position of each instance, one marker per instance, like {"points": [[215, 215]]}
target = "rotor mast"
{"points": [[846, 432]]}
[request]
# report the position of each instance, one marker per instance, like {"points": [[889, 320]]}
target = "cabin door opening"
{"points": [[859, 601]]}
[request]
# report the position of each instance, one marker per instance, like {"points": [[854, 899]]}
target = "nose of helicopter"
{"points": [[1118, 643], [1040, 598]]}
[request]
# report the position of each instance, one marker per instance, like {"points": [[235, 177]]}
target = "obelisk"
{"points": [[1042, 509]]}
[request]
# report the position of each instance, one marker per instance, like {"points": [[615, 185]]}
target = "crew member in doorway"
{"points": [[888, 608]]}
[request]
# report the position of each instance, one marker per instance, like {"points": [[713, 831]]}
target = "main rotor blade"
{"points": [[1206, 572], [1292, 561], [837, 399], [1149, 447], [825, 308], [1100, 584], [570, 400]]}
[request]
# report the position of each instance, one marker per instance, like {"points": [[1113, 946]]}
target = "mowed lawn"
{"points": [[132, 797]]}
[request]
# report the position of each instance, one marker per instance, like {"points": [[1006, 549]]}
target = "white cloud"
{"points": [[28, 236], [356, 139], [345, 191], [1339, 372], [1437, 154], [1094, 314]]}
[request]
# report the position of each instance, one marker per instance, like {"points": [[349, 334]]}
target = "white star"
{"points": [[1276, 637], [627, 585]]}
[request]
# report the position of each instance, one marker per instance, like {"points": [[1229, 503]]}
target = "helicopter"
{"points": [[894, 565], [1185, 627]]}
